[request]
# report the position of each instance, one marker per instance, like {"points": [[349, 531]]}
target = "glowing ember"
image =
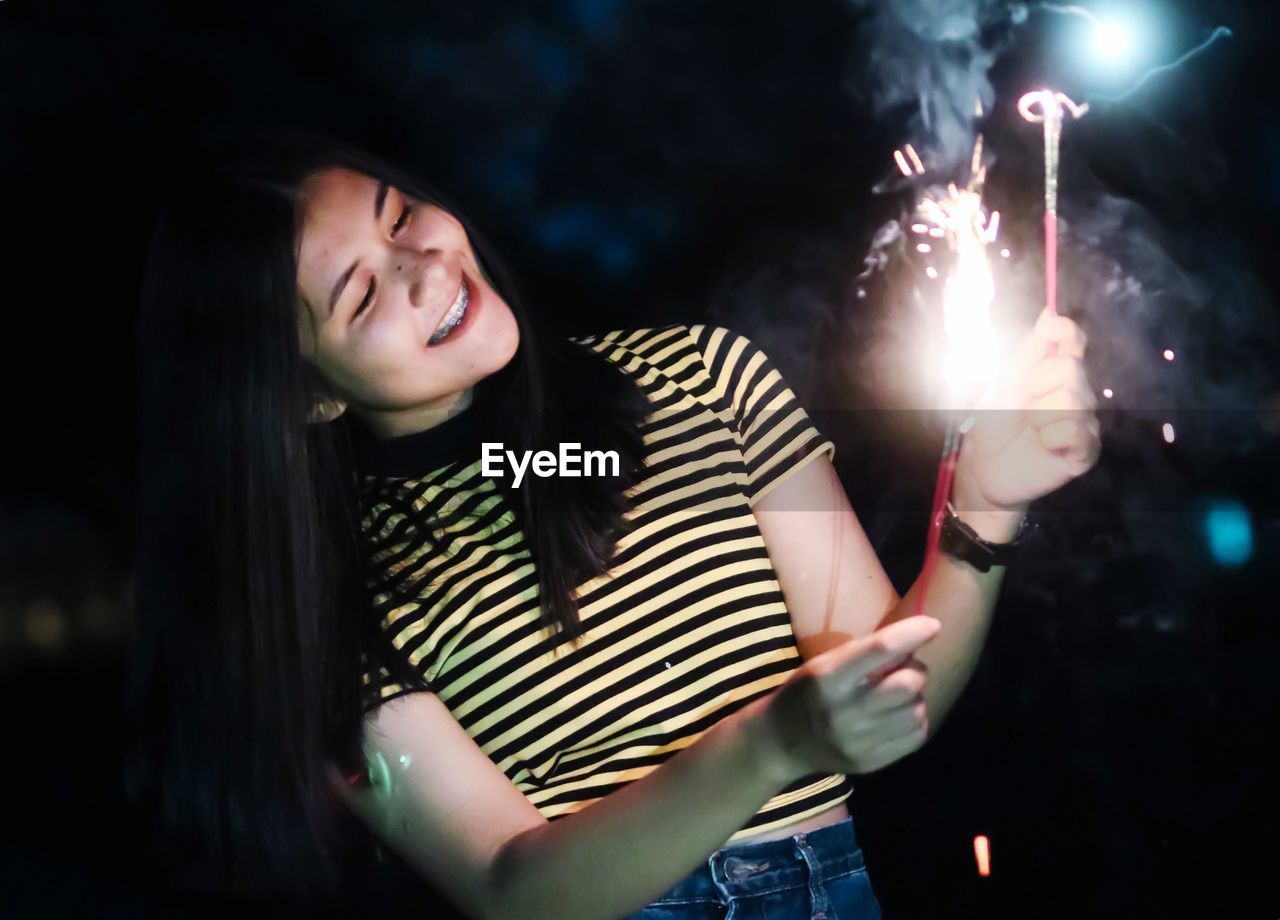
{"points": [[915, 159], [909, 162], [1167, 430], [902, 163], [982, 853]]}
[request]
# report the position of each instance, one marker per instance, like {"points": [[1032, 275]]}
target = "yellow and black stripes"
{"points": [[688, 625]]}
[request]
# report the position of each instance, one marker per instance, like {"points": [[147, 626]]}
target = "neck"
{"points": [[411, 421]]}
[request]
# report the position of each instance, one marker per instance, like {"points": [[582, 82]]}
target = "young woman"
{"points": [[561, 695]]}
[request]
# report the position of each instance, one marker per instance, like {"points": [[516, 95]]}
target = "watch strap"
{"points": [[960, 541]]}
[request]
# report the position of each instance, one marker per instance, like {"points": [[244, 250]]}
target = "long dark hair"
{"points": [[253, 584]]}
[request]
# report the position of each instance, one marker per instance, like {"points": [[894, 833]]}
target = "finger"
{"points": [[868, 727], [898, 689], [1077, 440], [1064, 402], [908, 661], [1071, 436], [862, 656], [1055, 372], [892, 750], [1063, 332], [1029, 351]]}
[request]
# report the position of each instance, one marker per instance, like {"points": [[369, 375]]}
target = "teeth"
{"points": [[453, 316]]}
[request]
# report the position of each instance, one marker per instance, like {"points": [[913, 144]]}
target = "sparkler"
{"points": [[957, 221], [1049, 107]]}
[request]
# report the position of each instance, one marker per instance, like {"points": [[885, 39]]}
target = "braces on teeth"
{"points": [[454, 316]]}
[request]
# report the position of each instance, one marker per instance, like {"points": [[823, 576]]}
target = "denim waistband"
{"points": [[756, 868]]}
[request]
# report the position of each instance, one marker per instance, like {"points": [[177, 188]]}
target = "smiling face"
{"points": [[380, 275]]}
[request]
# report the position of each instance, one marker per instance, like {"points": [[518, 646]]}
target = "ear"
{"points": [[325, 410]]}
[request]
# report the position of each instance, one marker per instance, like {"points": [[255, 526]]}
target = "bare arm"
{"points": [[834, 585], [453, 815], [836, 589]]}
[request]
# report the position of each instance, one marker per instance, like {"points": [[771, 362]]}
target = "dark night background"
{"points": [[644, 163]]}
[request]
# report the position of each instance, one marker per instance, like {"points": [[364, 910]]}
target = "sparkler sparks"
{"points": [[909, 162], [958, 219], [968, 289], [901, 160]]}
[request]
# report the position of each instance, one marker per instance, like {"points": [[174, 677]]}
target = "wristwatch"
{"points": [[960, 541]]}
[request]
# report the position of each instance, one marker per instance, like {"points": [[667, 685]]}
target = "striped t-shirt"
{"points": [[688, 626]]}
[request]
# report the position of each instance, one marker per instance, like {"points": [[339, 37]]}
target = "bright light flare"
{"points": [[968, 291], [1167, 430], [1168, 354], [1113, 39]]}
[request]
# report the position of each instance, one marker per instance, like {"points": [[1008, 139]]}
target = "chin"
{"points": [[500, 339]]}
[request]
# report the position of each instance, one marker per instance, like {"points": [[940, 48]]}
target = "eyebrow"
{"points": [[379, 200]]}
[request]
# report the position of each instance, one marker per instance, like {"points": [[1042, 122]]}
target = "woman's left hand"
{"points": [[1040, 429]]}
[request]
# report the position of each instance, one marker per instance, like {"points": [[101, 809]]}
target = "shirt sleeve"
{"points": [[776, 435], [388, 672]]}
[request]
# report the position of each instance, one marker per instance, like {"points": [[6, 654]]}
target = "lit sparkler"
{"points": [[957, 221]]}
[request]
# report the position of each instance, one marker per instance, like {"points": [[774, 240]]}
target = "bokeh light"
{"points": [[1229, 532]]}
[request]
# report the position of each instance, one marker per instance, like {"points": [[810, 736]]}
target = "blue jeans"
{"points": [[816, 875]]}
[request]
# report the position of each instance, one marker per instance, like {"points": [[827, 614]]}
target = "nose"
{"points": [[428, 254], [423, 272]]}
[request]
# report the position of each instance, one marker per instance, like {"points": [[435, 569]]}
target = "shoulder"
{"points": [[714, 346]]}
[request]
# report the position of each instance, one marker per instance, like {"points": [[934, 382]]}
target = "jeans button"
{"points": [[737, 868]]}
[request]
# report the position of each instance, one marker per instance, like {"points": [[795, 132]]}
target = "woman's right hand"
{"points": [[853, 709]]}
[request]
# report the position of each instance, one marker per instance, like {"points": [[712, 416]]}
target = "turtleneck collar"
{"points": [[410, 456]]}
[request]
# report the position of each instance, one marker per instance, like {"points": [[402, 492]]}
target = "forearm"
{"points": [[962, 598], [619, 854]]}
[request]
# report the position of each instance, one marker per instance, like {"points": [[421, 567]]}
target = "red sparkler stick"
{"points": [[1051, 260], [941, 495]]}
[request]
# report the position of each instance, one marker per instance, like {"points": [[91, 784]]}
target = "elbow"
{"points": [[507, 895], [523, 885]]}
